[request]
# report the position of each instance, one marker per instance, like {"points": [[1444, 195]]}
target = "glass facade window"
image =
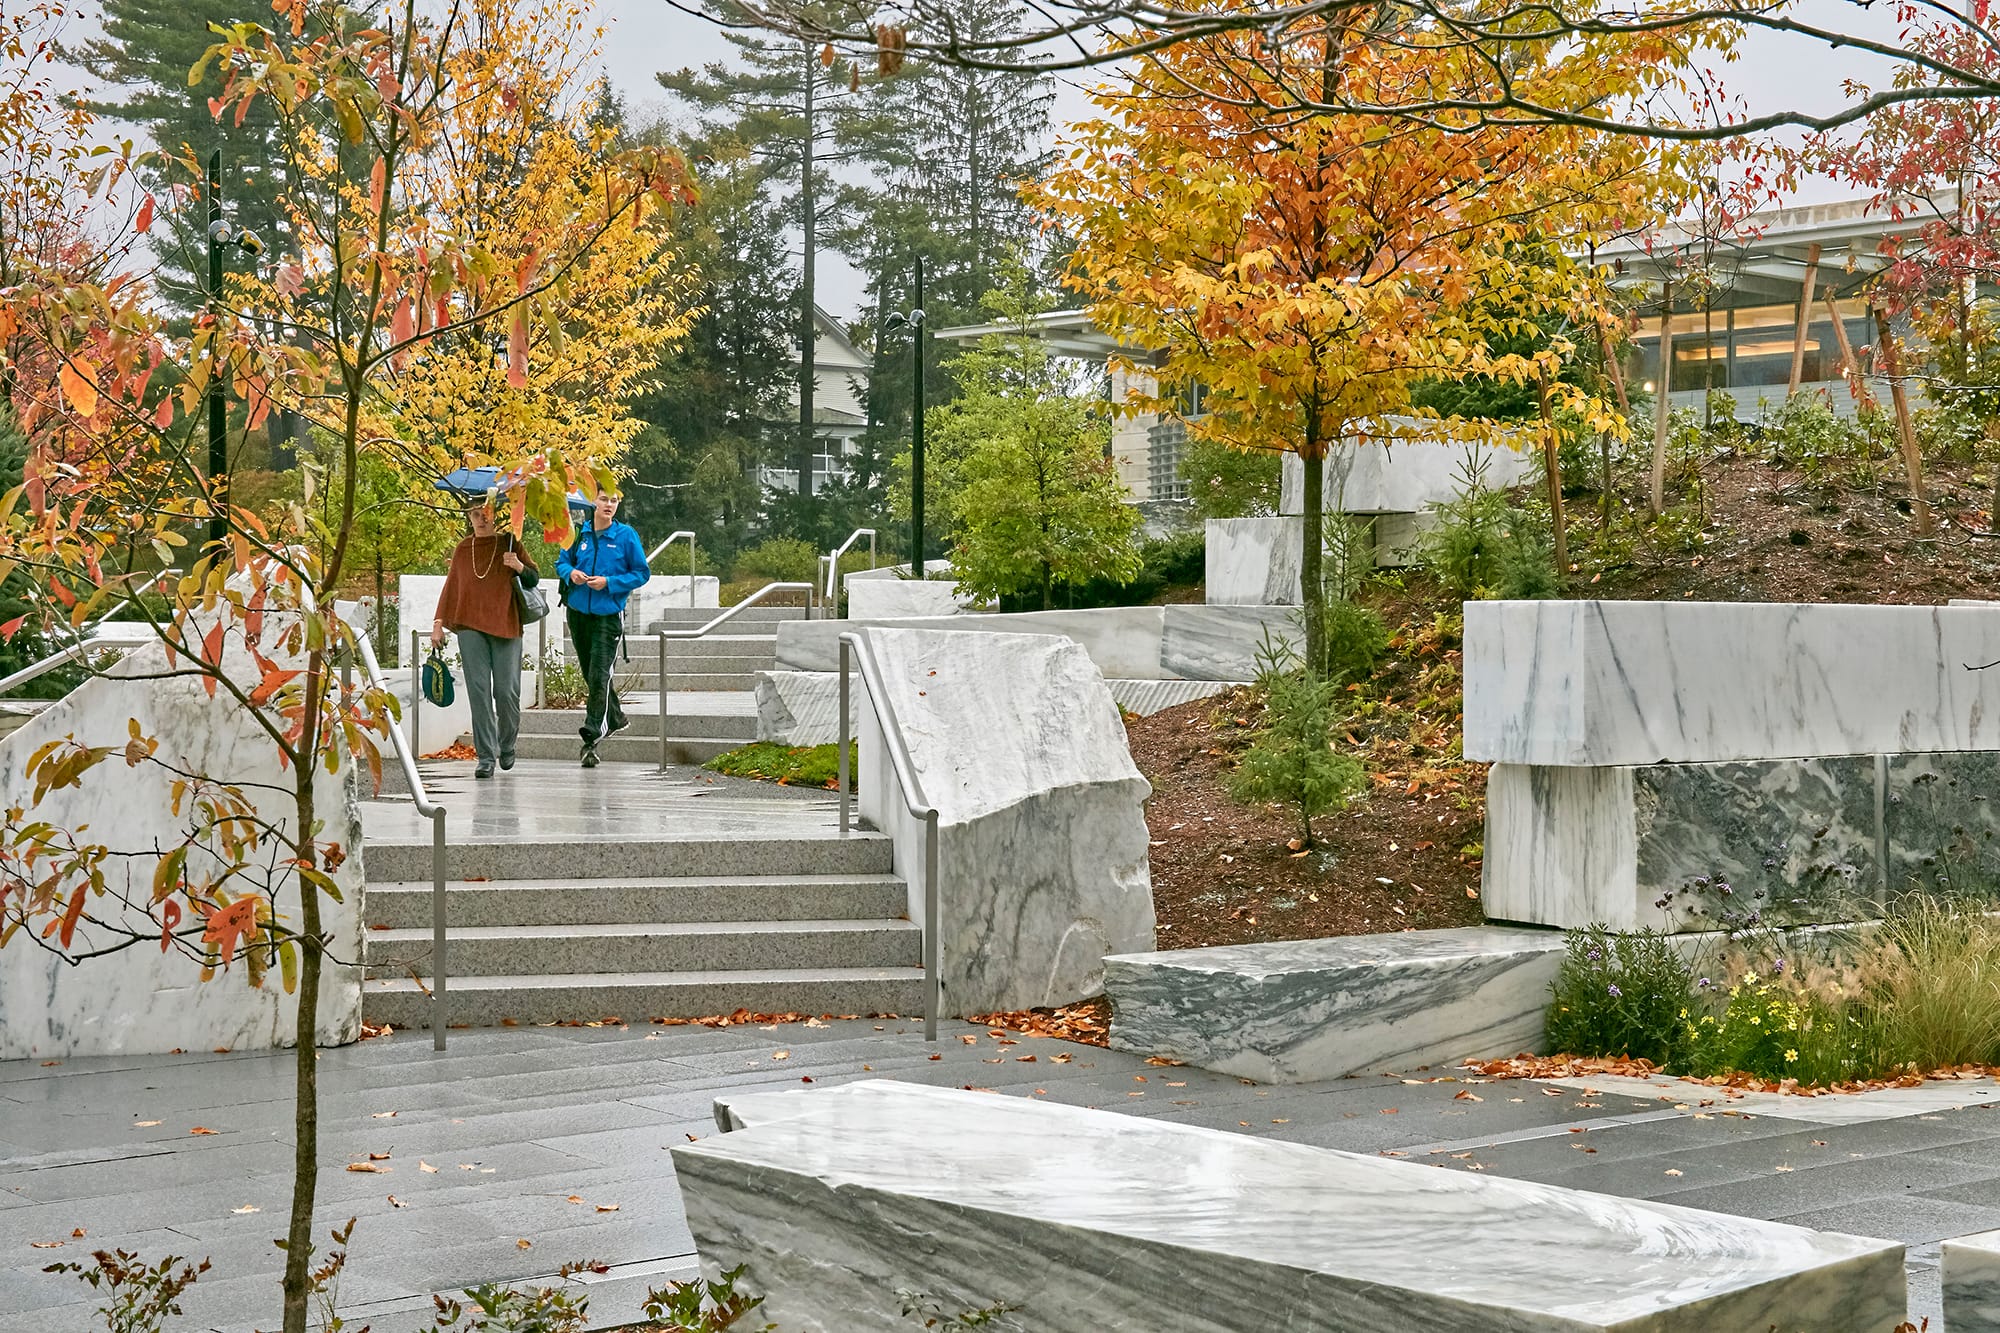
{"points": [[1751, 347], [1166, 443]]}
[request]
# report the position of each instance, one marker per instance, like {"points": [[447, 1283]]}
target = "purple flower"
{"points": [[1613, 990], [1595, 955], [1703, 984], [1778, 968]]}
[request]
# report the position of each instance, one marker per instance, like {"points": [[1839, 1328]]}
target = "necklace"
{"points": [[477, 572]]}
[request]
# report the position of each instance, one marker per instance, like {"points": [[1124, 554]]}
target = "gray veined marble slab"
{"points": [[1300, 1010], [1594, 684], [1407, 476], [1971, 1268], [1100, 1223], [1252, 561]]}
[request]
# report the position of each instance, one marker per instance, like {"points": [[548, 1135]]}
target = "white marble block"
{"points": [[1302, 1010], [1252, 561], [142, 1001], [803, 707], [1088, 1221], [1404, 477], [1971, 1271], [1041, 824], [1594, 684], [896, 599]]}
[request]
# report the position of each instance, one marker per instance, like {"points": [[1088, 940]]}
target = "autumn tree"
{"points": [[390, 266], [1305, 271], [1023, 460]]}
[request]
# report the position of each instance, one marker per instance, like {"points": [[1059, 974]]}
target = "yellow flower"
{"points": [[1684, 1013], [1756, 1020], [1791, 1056]]}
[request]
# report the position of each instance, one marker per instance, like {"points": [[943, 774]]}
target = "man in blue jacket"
{"points": [[598, 573]]}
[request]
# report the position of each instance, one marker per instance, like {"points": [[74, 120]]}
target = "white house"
{"points": [[840, 404]]}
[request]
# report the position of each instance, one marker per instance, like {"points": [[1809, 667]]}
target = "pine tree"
{"points": [[146, 51], [785, 102]]}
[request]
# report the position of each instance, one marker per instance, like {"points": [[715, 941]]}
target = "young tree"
{"points": [[1306, 271], [387, 266], [1034, 498]]}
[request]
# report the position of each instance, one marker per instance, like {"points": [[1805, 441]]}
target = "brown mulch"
{"points": [[1225, 873]]}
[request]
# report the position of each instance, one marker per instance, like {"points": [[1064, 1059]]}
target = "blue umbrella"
{"points": [[470, 482]]}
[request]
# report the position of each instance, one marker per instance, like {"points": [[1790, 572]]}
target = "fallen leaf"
{"points": [[936, 1056], [395, 1202], [576, 1198], [1025, 1059], [426, 1167], [1391, 1110], [1466, 1097], [524, 1245], [201, 1129], [781, 1055], [246, 1208], [368, 1168], [77, 1234], [1673, 1171], [378, 1157], [607, 1207], [47, 1244], [383, 1115], [144, 1124], [1782, 1168]]}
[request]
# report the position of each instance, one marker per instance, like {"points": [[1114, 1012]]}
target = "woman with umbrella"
{"points": [[481, 604]]}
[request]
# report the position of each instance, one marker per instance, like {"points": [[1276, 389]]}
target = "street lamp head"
{"points": [[218, 231], [250, 242], [900, 320]]}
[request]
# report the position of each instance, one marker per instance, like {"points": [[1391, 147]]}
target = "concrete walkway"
{"points": [[556, 1137]]}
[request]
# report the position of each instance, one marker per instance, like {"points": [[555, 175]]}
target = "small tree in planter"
{"points": [[1292, 759]]}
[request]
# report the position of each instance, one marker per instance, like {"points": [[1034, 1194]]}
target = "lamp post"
{"points": [[914, 321], [220, 233]]}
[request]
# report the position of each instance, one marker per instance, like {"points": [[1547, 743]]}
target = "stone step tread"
{"points": [[422, 935], [459, 986], [688, 882]]}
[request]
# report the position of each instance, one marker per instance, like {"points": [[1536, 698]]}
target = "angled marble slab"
{"points": [[1595, 684], [1252, 561], [1971, 1270], [1089, 1221], [1300, 1010]]}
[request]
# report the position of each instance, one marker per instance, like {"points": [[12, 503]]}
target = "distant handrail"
{"points": [[654, 554], [833, 563], [854, 643], [665, 634], [436, 814]]}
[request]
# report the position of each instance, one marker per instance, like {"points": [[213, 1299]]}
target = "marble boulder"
{"points": [[1971, 1273], [1602, 684], [1088, 1221], [1298, 1011], [1698, 846], [142, 1001], [1042, 835]]}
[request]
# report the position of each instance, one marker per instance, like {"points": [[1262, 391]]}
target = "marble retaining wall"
{"points": [[1406, 477], [803, 707], [141, 1001], [1042, 837], [1085, 1221], [1602, 684], [1692, 846]]}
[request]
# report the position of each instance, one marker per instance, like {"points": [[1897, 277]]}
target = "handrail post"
{"points": [[416, 697], [933, 984], [660, 722], [846, 787], [440, 1014], [542, 662], [690, 571]]}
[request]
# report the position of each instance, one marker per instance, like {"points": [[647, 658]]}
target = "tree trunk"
{"points": [[1048, 584], [305, 1094], [1913, 459], [1313, 529], [808, 332], [1661, 399], [1805, 320], [1552, 474]]}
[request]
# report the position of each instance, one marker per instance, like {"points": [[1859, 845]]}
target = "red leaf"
{"points": [[211, 653], [229, 926], [163, 415], [170, 916], [215, 105], [144, 222], [517, 352], [11, 628], [75, 911]]}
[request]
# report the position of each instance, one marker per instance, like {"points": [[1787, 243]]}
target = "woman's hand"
{"points": [[437, 636], [513, 562], [578, 577]]}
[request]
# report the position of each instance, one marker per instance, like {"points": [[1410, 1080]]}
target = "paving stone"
{"points": [[1912, 1219]]}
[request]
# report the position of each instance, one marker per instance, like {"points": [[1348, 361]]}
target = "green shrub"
{"points": [[1229, 483], [1772, 1027], [788, 766], [1356, 638], [1620, 995], [138, 1296], [563, 685], [1485, 546], [779, 560], [1291, 759], [1809, 435], [1176, 561]]}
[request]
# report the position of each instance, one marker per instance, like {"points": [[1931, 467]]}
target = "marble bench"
{"points": [[1971, 1271], [837, 1199], [1817, 758], [1301, 1010]]}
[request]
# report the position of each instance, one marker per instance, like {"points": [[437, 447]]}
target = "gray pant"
{"points": [[493, 685]]}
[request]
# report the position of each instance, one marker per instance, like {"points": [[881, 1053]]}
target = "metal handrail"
{"points": [[833, 564], [697, 633], [436, 814], [61, 657], [654, 554], [913, 800]]}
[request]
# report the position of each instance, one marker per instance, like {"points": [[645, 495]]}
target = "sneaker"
{"points": [[622, 724], [483, 771], [506, 763], [590, 756]]}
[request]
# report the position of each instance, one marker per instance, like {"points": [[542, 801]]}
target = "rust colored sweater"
{"points": [[478, 591]]}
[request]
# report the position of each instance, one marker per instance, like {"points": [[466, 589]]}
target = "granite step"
{"points": [[681, 617], [571, 902], [672, 946], [858, 853], [627, 747], [711, 680], [712, 664], [723, 726], [634, 997], [717, 644]]}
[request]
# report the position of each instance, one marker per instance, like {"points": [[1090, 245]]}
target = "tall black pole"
{"points": [[917, 432], [218, 388]]}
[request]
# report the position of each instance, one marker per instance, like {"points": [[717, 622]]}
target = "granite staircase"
{"points": [[561, 931]]}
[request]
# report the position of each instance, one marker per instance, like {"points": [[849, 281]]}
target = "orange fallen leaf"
{"points": [[201, 1129], [246, 1208], [426, 1167], [144, 1124], [77, 1234], [524, 1245], [575, 1198], [378, 1157], [368, 1168], [395, 1202], [607, 1207], [1466, 1097]]}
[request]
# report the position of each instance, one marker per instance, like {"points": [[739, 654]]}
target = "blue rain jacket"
{"points": [[614, 553]]}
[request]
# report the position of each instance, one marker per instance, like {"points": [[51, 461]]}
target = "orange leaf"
{"points": [[229, 926], [517, 352], [170, 916], [144, 222], [75, 911], [79, 385], [11, 628], [163, 415]]}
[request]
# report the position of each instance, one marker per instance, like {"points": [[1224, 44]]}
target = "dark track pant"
{"points": [[594, 639]]}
